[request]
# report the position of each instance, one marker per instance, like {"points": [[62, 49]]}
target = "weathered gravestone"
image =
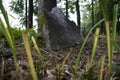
{"points": [[58, 31]]}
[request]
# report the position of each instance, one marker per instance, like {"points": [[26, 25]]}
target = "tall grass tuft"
{"points": [[94, 46], [66, 57], [8, 32], [60, 68], [110, 37], [80, 52], [37, 49], [29, 56]]}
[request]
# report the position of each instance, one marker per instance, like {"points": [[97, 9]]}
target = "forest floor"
{"points": [[54, 59]]}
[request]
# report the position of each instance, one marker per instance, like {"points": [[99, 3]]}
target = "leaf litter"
{"points": [[54, 63]]}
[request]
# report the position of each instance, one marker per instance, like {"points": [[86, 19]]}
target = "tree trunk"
{"points": [[26, 21], [45, 4], [67, 8], [92, 13], [78, 12], [49, 4], [30, 16]]}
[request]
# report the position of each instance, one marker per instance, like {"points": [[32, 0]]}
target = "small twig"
{"points": [[44, 50]]}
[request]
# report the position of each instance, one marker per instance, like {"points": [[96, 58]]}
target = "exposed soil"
{"points": [[54, 59]]}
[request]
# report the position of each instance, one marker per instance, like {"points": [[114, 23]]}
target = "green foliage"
{"points": [[1, 34], [17, 6], [97, 12], [88, 75], [71, 6], [17, 33], [31, 33], [42, 20], [87, 15], [35, 8]]}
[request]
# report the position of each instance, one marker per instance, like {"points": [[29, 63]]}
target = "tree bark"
{"points": [[26, 21], [67, 8], [78, 12], [45, 4], [30, 16], [92, 13]]}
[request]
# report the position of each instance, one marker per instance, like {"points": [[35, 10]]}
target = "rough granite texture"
{"points": [[58, 31]]}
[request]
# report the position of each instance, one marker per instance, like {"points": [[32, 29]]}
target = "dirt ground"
{"points": [[53, 60]]}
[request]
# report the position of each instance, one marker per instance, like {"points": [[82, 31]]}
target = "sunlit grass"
{"points": [[37, 49], [80, 52], [114, 25], [29, 56], [110, 36], [8, 32], [94, 46]]}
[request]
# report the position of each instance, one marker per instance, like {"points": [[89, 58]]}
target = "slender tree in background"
{"points": [[17, 6], [26, 14], [102, 28], [92, 13], [67, 9], [49, 4], [78, 12], [30, 16]]}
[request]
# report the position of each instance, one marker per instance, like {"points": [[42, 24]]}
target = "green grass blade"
{"points": [[94, 46], [58, 72], [106, 16], [116, 46], [5, 15], [29, 56], [37, 49], [104, 9], [80, 52], [114, 26], [8, 32], [8, 36], [107, 25], [102, 67], [60, 68], [65, 59]]}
